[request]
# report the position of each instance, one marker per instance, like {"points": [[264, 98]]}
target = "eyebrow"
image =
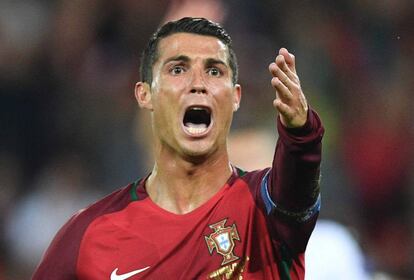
{"points": [[213, 61], [184, 58]]}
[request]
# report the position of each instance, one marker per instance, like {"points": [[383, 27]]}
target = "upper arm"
{"points": [[59, 260]]}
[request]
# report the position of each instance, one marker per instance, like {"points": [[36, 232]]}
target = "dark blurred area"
{"points": [[71, 130]]}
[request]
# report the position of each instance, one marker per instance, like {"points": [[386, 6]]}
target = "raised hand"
{"points": [[290, 100]]}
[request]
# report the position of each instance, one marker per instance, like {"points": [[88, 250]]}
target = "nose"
{"points": [[198, 89], [198, 84]]}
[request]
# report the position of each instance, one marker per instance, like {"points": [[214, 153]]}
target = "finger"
{"points": [[289, 58], [282, 107], [282, 91], [283, 77], [281, 63]]}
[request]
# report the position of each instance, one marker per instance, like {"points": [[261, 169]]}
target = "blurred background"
{"points": [[71, 130]]}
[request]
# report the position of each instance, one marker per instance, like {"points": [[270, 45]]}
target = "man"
{"points": [[195, 216]]}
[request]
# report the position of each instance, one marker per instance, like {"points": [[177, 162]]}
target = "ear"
{"points": [[236, 97], [143, 95]]}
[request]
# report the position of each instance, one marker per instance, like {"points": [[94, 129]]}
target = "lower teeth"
{"points": [[196, 129]]}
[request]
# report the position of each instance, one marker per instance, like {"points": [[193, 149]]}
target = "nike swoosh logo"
{"points": [[116, 276]]}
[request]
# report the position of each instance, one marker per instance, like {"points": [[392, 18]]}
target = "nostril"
{"points": [[198, 90]]}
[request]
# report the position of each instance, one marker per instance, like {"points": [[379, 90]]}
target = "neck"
{"points": [[179, 186]]}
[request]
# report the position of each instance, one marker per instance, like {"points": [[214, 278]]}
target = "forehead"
{"points": [[193, 46]]}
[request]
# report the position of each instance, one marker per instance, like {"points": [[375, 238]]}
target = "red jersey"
{"points": [[255, 227]]}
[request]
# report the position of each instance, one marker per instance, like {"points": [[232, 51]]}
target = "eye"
{"points": [[177, 70], [213, 71]]}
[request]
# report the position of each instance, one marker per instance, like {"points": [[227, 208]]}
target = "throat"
{"points": [[181, 199], [181, 194]]}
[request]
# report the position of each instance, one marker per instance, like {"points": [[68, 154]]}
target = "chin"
{"points": [[197, 154]]}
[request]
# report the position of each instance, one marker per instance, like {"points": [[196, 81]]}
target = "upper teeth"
{"points": [[197, 108]]}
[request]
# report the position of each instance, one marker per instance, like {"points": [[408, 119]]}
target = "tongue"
{"points": [[196, 128]]}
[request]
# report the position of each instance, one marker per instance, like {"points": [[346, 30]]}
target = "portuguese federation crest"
{"points": [[222, 239]]}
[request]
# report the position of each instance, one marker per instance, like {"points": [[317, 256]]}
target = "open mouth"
{"points": [[197, 120]]}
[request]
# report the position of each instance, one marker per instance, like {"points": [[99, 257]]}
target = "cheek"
{"points": [[225, 104], [171, 89], [165, 104], [223, 93]]}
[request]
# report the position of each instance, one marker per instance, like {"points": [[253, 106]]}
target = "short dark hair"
{"points": [[200, 26]]}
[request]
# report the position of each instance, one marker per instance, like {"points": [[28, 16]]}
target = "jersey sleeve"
{"points": [[290, 189], [59, 260]]}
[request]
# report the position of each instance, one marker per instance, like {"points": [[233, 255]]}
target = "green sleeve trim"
{"points": [[240, 172], [133, 191], [285, 263]]}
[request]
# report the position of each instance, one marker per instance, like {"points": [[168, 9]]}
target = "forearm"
{"points": [[294, 180]]}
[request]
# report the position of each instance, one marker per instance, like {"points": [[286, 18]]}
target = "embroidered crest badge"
{"points": [[222, 239]]}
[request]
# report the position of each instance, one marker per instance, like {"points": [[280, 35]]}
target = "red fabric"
{"points": [[117, 235], [174, 246]]}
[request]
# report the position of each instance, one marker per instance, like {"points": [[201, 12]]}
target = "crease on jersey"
{"points": [[272, 207]]}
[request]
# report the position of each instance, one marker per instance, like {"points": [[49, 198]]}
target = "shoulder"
{"points": [[110, 203], [252, 177], [253, 181], [59, 261]]}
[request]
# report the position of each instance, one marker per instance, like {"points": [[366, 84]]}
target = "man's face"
{"points": [[192, 95]]}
